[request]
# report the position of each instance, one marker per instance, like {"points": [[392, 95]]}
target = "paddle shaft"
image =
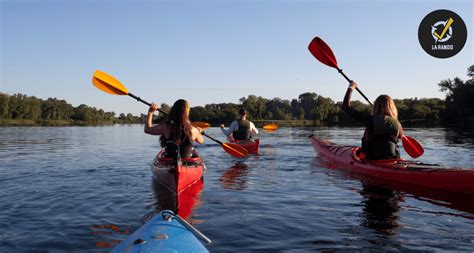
{"points": [[145, 102], [350, 81], [218, 141]]}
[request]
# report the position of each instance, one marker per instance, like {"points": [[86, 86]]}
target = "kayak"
{"points": [[430, 176], [163, 233], [250, 146], [177, 174]]}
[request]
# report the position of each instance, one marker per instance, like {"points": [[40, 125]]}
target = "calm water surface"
{"points": [[82, 189]]}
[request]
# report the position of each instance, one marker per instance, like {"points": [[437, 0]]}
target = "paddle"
{"points": [[111, 85], [231, 148], [412, 147], [203, 125], [323, 53], [270, 127]]}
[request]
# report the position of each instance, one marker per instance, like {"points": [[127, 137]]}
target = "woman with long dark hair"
{"points": [[177, 133]]}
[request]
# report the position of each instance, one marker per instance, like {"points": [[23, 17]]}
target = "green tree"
{"points": [[307, 102], [256, 106], [34, 112], [4, 106], [459, 98], [278, 109], [470, 71]]}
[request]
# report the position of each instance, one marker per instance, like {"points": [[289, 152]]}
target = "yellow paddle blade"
{"points": [[200, 124], [108, 83], [271, 127], [235, 150]]}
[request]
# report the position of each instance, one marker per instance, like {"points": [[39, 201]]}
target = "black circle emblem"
{"points": [[442, 33]]}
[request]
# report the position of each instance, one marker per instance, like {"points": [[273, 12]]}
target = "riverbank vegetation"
{"points": [[309, 109]]}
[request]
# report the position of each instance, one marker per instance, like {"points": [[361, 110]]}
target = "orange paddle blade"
{"points": [[200, 124], [108, 83], [271, 127], [412, 147], [235, 150]]}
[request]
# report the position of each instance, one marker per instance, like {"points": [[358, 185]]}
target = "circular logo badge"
{"points": [[442, 34]]}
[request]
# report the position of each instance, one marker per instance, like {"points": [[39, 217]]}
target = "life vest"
{"points": [[243, 133], [381, 138]]}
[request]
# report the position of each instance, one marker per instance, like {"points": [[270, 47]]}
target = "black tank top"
{"points": [[185, 147]]}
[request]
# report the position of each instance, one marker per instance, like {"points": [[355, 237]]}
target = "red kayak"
{"points": [[432, 176], [250, 146], [177, 175]]}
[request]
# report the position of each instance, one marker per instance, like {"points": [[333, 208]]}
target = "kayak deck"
{"points": [[163, 233], [433, 176]]}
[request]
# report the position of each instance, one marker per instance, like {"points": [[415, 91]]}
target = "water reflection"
{"points": [[454, 136], [235, 178], [106, 234], [182, 204], [455, 201], [381, 207]]}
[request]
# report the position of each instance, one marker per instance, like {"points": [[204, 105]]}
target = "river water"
{"points": [[83, 189]]}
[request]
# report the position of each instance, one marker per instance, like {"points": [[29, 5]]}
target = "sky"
{"points": [[220, 51]]}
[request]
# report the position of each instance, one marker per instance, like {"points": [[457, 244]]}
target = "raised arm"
{"points": [[346, 106], [149, 128]]}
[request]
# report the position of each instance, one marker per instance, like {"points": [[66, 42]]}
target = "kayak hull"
{"points": [[251, 146], [432, 176], [177, 175], [163, 233]]}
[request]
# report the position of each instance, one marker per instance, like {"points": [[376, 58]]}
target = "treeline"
{"points": [[316, 110], [23, 109], [313, 109], [308, 109]]}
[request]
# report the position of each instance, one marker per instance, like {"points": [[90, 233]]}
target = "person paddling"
{"points": [[177, 133], [240, 129], [383, 130]]}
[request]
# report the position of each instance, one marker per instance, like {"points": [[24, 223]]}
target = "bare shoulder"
{"points": [[163, 129]]}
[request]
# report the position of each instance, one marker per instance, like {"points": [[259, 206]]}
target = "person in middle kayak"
{"points": [[177, 133], [240, 129], [382, 127]]}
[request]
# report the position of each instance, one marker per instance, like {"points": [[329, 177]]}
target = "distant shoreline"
{"points": [[36, 123], [258, 123]]}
